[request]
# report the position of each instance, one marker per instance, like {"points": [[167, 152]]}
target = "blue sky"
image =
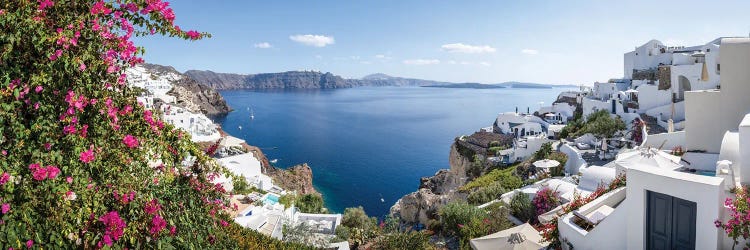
{"points": [[570, 42]]}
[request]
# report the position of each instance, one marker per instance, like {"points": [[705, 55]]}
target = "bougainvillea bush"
{"points": [[737, 226], [82, 164]]}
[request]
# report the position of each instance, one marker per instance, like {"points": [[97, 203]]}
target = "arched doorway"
{"points": [[683, 85]]}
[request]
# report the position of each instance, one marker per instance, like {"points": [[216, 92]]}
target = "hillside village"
{"points": [[256, 201], [670, 134], [673, 126]]}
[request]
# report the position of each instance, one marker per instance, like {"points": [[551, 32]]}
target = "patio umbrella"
{"points": [[546, 163], [646, 157], [520, 237]]}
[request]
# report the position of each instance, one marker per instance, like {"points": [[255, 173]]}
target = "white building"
{"points": [[249, 167], [668, 208], [520, 125], [200, 127], [655, 80]]}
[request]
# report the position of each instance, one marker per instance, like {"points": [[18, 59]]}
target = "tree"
{"points": [[602, 124], [310, 203], [82, 164]]}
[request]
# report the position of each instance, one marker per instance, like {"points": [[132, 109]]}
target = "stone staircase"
{"points": [[652, 126]]}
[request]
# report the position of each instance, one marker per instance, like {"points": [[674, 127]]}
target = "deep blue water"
{"points": [[364, 143]]}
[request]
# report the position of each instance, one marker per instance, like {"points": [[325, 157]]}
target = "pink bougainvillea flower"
{"points": [[38, 172], [52, 172], [43, 4], [224, 223], [87, 156], [4, 178], [172, 230], [152, 207], [100, 7], [69, 179], [82, 67], [114, 226], [130, 141], [38, 89], [157, 224], [55, 55], [5, 208], [194, 35]]}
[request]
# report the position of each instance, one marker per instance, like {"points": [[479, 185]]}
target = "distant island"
{"points": [[466, 86], [328, 80], [516, 85]]}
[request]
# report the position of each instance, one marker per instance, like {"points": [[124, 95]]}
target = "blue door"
{"points": [[670, 222]]}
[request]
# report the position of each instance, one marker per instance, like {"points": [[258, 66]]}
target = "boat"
{"points": [[240, 127], [381, 198], [274, 161], [252, 114]]}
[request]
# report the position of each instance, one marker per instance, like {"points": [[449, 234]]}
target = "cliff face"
{"points": [[298, 80], [198, 97], [297, 178], [434, 192], [190, 93], [285, 80]]}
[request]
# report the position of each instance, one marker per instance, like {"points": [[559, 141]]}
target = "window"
{"points": [[718, 69]]}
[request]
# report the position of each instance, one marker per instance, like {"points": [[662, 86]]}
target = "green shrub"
{"points": [[560, 157], [361, 228], [504, 176], [543, 152], [476, 167], [403, 240], [486, 194], [522, 208], [310, 203], [456, 214]]}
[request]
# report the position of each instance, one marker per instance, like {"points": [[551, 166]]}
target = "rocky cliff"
{"points": [[297, 178], [190, 93], [198, 97], [284, 80], [434, 192], [298, 80]]}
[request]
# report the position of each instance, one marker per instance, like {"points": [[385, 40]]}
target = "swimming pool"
{"points": [[271, 199]]}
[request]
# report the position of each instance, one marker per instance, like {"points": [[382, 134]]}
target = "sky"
{"points": [[555, 42]]}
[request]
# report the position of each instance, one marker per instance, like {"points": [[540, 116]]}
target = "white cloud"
{"points": [[530, 51], [466, 48], [313, 40], [451, 62], [421, 61], [263, 45], [486, 64]]}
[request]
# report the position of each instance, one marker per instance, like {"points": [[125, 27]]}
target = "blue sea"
{"points": [[368, 143]]}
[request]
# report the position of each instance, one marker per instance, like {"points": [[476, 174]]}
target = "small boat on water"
{"points": [[240, 127], [381, 198], [274, 161], [252, 114]]}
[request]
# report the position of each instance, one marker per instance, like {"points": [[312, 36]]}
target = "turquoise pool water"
{"points": [[271, 199]]}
